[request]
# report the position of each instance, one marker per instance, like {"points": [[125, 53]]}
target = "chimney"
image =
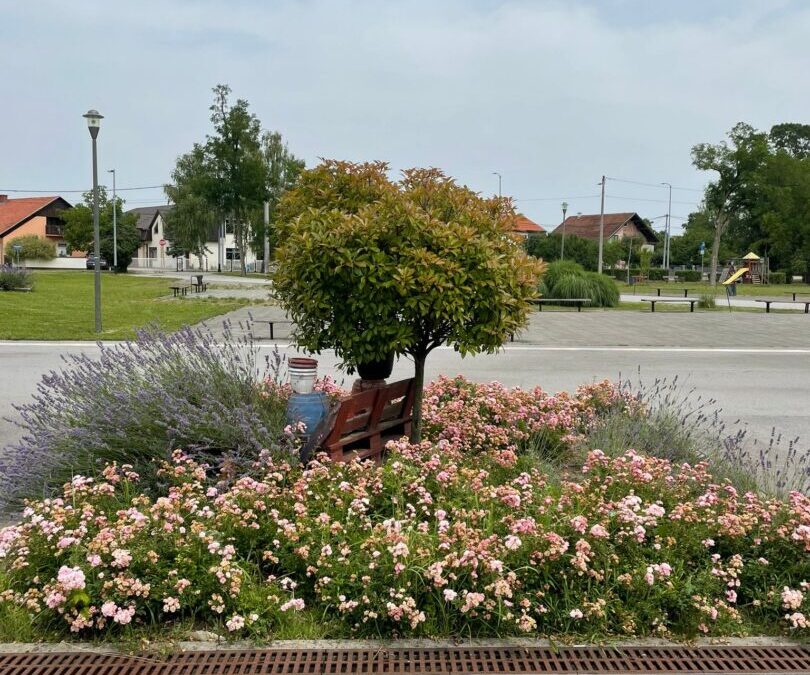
{"points": [[3, 198]]}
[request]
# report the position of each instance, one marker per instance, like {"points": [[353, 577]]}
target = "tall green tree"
{"points": [[79, 228], [192, 219], [283, 170], [732, 194], [370, 267]]}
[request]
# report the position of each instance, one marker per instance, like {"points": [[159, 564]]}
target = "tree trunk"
{"points": [[419, 376], [720, 223]]}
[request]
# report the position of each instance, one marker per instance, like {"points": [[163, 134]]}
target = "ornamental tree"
{"points": [[367, 266]]}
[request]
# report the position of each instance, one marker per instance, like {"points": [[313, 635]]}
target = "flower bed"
{"points": [[437, 541]]}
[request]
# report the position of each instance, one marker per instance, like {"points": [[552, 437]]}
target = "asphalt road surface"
{"points": [[764, 387]]}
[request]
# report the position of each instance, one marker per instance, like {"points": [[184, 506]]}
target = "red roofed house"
{"points": [[525, 227], [617, 226], [34, 215]]}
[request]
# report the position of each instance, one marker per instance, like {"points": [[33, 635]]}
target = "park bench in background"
{"points": [[271, 323], [179, 288], [198, 284], [652, 302], [578, 302], [685, 291], [793, 294], [360, 425], [768, 303]]}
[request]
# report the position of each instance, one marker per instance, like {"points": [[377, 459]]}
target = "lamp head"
{"points": [[93, 118]]}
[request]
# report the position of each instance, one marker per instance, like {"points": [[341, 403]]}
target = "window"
{"points": [[157, 228], [231, 254]]}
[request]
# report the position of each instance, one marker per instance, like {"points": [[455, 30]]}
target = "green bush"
{"points": [[571, 286], [558, 269], [33, 248], [688, 275], [602, 290], [707, 301], [777, 278]]}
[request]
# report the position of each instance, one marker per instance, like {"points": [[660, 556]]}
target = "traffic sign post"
{"points": [[702, 250]]}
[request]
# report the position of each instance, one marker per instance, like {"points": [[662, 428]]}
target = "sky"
{"points": [[549, 94]]}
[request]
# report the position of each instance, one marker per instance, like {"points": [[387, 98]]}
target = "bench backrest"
{"points": [[368, 415]]}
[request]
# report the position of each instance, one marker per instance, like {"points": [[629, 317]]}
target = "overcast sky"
{"points": [[549, 94]]}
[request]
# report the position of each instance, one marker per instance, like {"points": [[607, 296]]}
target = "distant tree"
{"points": [[236, 165], [729, 196], [582, 251], [33, 248], [192, 218], [79, 228], [230, 176], [283, 170], [369, 267], [791, 138]]}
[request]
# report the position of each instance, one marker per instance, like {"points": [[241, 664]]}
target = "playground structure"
{"points": [[751, 269]]}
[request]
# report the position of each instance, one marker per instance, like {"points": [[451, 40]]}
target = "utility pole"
{"points": [[666, 229], [601, 227], [266, 235], [115, 224], [562, 246], [495, 173]]}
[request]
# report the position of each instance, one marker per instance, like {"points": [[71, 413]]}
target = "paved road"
{"points": [[765, 387]]}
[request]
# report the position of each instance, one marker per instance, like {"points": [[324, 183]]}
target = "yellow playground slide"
{"points": [[735, 276]]}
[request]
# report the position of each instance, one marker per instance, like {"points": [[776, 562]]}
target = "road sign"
{"points": [[162, 242], [702, 248]]}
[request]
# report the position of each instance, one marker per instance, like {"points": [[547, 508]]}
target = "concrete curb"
{"points": [[240, 645]]}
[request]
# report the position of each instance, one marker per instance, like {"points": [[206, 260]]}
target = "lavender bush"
{"points": [[13, 278], [683, 426], [137, 401]]}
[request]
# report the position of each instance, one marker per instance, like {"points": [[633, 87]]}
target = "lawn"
{"points": [[697, 288], [60, 307]]}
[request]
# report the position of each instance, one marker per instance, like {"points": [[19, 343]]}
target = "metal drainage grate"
{"points": [[457, 660]]}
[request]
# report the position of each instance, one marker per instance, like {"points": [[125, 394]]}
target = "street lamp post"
{"points": [[115, 224], [562, 246], [666, 230], [495, 173], [94, 118]]}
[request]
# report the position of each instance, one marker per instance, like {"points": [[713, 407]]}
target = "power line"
{"points": [[49, 192], [545, 199], [654, 185], [647, 199]]}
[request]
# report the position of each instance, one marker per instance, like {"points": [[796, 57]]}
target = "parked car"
{"points": [[91, 263]]}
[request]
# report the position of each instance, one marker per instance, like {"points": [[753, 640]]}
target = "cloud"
{"points": [[550, 94]]}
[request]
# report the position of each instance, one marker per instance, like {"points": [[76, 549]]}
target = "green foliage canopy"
{"points": [[367, 266], [79, 228], [33, 248]]}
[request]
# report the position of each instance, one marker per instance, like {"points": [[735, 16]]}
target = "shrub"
{"points": [[602, 291], [33, 247], [571, 286], [558, 269], [688, 275], [135, 403], [12, 279], [707, 301], [432, 542], [777, 278]]}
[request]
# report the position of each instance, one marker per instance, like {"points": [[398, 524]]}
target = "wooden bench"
{"points": [[578, 302], [360, 425], [271, 323], [685, 291], [198, 284], [652, 301], [768, 304], [793, 294], [179, 289]]}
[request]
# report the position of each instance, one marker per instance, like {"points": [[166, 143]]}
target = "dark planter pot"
{"points": [[376, 370]]}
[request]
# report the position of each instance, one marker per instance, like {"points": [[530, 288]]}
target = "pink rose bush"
{"points": [[441, 539]]}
